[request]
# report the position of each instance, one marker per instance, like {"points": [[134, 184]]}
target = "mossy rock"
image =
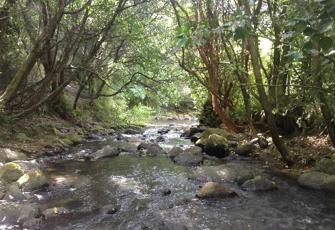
{"points": [[71, 139], [32, 180], [12, 171]]}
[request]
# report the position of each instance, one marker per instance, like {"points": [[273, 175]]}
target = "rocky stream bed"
{"points": [[158, 179]]}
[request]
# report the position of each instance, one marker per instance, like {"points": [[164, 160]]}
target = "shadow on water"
{"points": [[155, 193]]}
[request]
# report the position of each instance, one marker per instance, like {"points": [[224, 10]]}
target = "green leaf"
{"points": [[300, 26], [325, 26], [326, 43], [241, 33]]}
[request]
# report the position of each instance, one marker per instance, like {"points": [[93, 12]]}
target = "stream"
{"points": [[152, 192]]}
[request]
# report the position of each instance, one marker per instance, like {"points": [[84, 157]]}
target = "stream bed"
{"points": [[152, 192]]}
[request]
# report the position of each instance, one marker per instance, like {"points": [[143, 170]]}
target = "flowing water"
{"points": [[154, 193]]}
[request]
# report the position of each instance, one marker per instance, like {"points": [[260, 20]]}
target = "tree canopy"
{"points": [[247, 59]]}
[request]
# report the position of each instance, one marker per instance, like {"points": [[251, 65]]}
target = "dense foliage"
{"points": [[248, 58]]}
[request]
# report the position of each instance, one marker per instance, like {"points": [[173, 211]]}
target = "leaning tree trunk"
{"points": [[254, 54]]}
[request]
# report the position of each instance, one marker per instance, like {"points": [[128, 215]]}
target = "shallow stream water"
{"points": [[154, 193]]}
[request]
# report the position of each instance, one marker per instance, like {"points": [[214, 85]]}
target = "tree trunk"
{"points": [[32, 58], [252, 44], [326, 111]]}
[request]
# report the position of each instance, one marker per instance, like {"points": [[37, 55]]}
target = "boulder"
{"points": [[245, 150], [12, 171], [125, 146], [217, 131], [216, 145], [195, 137], [28, 212], [163, 131], [263, 143], [317, 180], [259, 184], [327, 166], [190, 157], [151, 149], [53, 212], [106, 152], [230, 172], [12, 212], [14, 193], [215, 190], [32, 180], [192, 131], [175, 151], [8, 155]]}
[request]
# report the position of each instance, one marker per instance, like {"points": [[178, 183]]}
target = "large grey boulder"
{"points": [[327, 166], [259, 184], [190, 157], [8, 155], [32, 180], [105, 152], [317, 180], [215, 190], [14, 213], [230, 172], [12, 171], [175, 151]]}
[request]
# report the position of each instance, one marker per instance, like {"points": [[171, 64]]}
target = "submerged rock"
{"points": [[109, 209], [230, 172], [215, 190], [327, 166], [163, 131], [12, 171], [106, 152], [32, 180], [8, 155], [190, 157], [53, 212], [317, 180], [259, 184]]}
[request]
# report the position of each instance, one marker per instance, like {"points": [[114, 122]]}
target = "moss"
{"points": [[22, 137], [71, 139]]}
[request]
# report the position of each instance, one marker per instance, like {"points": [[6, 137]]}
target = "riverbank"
{"points": [[50, 134]]}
